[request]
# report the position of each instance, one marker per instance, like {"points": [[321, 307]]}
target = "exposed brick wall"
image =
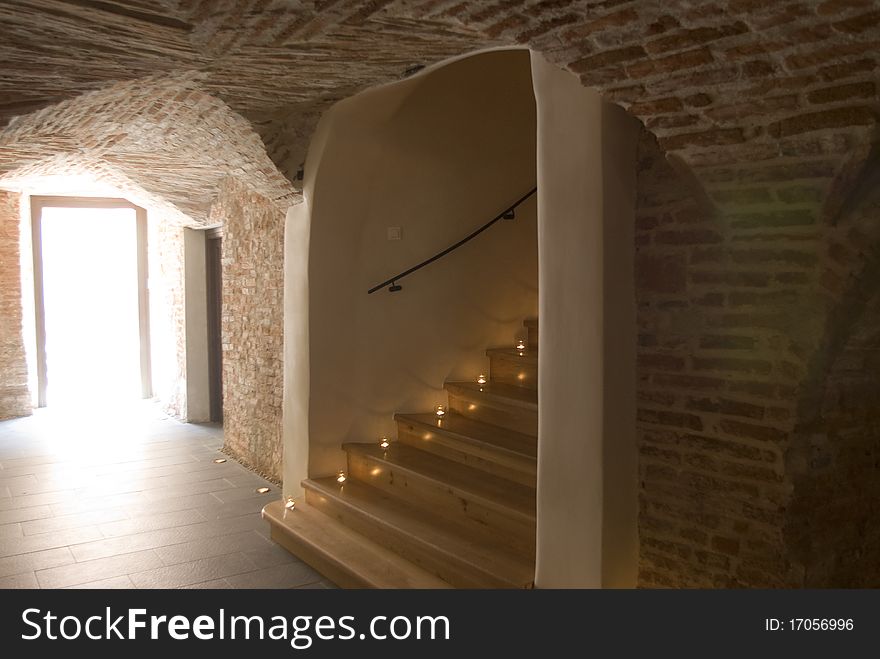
{"points": [[833, 526], [252, 320], [718, 307], [833, 529], [15, 399], [758, 387], [167, 312]]}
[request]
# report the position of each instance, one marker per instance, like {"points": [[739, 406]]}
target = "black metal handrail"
{"points": [[508, 213]]}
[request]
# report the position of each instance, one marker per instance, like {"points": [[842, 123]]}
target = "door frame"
{"points": [[38, 203], [214, 289]]}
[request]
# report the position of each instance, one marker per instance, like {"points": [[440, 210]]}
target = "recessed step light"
{"points": [[263, 490], [219, 461]]}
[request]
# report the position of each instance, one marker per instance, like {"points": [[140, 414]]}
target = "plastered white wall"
{"points": [[437, 155], [586, 447]]}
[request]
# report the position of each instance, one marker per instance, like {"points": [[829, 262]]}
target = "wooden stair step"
{"points": [[514, 367], [528, 357], [347, 558], [514, 408], [502, 394], [500, 439], [483, 446], [448, 488], [458, 555]]}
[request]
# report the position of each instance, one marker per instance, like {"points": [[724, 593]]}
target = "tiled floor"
{"points": [[132, 500]]}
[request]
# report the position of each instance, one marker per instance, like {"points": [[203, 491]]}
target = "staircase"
{"points": [[451, 504]]}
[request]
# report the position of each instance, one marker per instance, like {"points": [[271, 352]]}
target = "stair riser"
{"points": [[460, 575], [439, 498], [308, 555], [511, 417], [348, 560], [511, 369], [480, 457]]}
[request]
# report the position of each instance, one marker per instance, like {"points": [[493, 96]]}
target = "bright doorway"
{"points": [[90, 301]]}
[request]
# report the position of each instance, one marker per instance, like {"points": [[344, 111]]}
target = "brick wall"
{"points": [[833, 526], [758, 387], [15, 398], [715, 387], [833, 529], [252, 318]]}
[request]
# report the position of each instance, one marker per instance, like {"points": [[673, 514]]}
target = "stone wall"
{"points": [[167, 312], [252, 317], [15, 398]]}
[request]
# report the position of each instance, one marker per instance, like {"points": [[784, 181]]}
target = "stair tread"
{"points": [[488, 554], [528, 357], [506, 393], [465, 481], [371, 564], [477, 431]]}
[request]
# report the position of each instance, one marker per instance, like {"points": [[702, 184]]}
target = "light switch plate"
{"points": [[394, 233]]}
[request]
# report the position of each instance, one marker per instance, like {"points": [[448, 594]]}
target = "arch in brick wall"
{"points": [[833, 530], [833, 527], [848, 272], [744, 306], [162, 141], [736, 82], [833, 524]]}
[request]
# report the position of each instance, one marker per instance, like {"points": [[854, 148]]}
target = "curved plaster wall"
{"points": [[436, 155], [587, 459]]}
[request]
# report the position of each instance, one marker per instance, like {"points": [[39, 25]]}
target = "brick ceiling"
{"points": [[187, 92]]}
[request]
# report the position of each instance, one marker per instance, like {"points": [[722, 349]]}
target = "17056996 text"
{"points": [[808, 624]]}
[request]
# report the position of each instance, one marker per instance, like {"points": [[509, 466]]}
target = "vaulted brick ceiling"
{"points": [[741, 92]]}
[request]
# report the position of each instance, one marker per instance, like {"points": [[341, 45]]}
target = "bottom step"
{"points": [[460, 555], [345, 557]]}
